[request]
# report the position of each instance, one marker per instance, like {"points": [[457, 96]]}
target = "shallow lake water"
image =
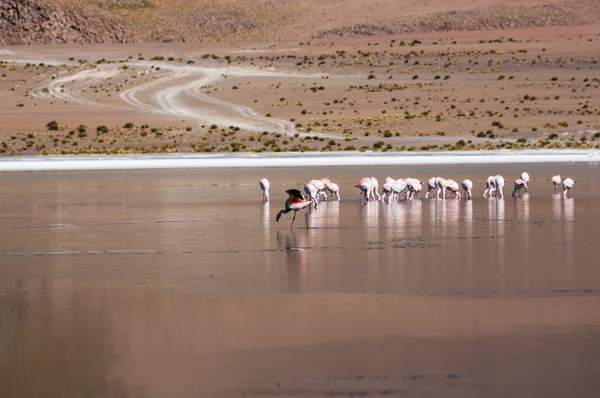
{"points": [[180, 283]]}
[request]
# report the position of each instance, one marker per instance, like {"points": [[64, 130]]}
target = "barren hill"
{"points": [[79, 21], [41, 21]]}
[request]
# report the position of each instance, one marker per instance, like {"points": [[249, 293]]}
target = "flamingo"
{"points": [[519, 185], [467, 185], [295, 202], [568, 184], [525, 178], [366, 186], [441, 184], [386, 190], [431, 185], [490, 187], [265, 185], [499, 185], [326, 181], [334, 189], [414, 186], [452, 186], [312, 193], [375, 188], [556, 181], [319, 185], [398, 188]]}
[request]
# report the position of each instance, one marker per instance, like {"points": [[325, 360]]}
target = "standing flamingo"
{"points": [[375, 188], [568, 184], [313, 193], [519, 185], [265, 185], [556, 181], [334, 189], [295, 202], [490, 187], [366, 187], [467, 185], [320, 186], [431, 185], [499, 185], [386, 190], [414, 186], [452, 186], [441, 185], [398, 188], [326, 181]]}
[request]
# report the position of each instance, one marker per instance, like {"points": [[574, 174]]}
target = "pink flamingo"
{"points": [[525, 178], [399, 187], [490, 187], [556, 181], [441, 185], [312, 192], [452, 186], [334, 189], [431, 185], [366, 187], [499, 185], [265, 185], [467, 185], [568, 184], [295, 202], [414, 186], [320, 185], [375, 188], [519, 185], [386, 190]]}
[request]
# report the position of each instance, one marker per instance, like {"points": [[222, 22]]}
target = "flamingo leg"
{"points": [[293, 219], [305, 215]]}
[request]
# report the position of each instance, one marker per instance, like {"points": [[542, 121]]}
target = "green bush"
{"points": [[52, 125]]}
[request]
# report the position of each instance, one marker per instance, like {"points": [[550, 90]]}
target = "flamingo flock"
{"points": [[408, 189]]}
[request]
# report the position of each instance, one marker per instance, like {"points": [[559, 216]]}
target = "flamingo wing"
{"points": [[295, 194]]}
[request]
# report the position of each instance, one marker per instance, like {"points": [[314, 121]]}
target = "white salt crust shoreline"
{"points": [[297, 159]]}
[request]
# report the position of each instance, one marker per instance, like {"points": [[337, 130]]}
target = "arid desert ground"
{"points": [[494, 89]]}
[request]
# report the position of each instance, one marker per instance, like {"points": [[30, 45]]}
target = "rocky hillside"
{"points": [[40, 21], [118, 21]]}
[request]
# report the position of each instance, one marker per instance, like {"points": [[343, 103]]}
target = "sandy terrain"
{"points": [[533, 88], [181, 284]]}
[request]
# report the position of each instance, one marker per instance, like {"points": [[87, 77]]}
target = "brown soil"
{"points": [[84, 21], [438, 91]]}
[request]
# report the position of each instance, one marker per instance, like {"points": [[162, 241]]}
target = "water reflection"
{"points": [[569, 239], [265, 213], [415, 217], [326, 216], [394, 216], [557, 206], [522, 217], [496, 226], [523, 207], [295, 244], [369, 215], [467, 217]]}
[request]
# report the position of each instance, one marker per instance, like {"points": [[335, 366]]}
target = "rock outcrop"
{"points": [[42, 22]]}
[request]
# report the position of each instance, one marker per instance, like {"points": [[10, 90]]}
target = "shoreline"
{"points": [[296, 159]]}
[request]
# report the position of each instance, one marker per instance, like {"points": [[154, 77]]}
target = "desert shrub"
{"points": [[53, 125]]}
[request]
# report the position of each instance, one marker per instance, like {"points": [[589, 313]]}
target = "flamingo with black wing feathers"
{"points": [[295, 202]]}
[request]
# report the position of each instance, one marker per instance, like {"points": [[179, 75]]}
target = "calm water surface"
{"points": [[181, 284]]}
